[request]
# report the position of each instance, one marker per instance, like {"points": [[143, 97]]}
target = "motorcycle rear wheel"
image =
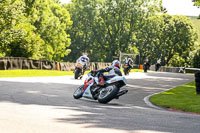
{"points": [[79, 92], [108, 93]]}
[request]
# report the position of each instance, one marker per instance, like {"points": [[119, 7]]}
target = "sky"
{"points": [[181, 7], [175, 7]]}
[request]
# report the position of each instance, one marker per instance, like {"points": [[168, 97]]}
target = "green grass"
{"points": [[39, 73], [137, 70], [180, 98], [33, 73]]}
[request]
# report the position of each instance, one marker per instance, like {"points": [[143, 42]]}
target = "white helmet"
{"points": [[116, 63], [85, 54]]}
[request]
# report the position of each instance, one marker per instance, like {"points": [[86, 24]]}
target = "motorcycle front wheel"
{"points": [[76, 73], [108, 93], [125, 72], [79, 92]]}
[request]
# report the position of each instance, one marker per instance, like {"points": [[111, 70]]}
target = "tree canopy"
{"points": [[47, 29], [103, 28], [196, 2], [34, 29]]}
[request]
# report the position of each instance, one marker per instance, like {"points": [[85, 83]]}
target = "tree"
{"points": [[196, 2], [17, 37], [167, 37], [102, 28], [179, 36], [34, 29], [51, 21], [149, 38], [83, 13], [196, 59]]}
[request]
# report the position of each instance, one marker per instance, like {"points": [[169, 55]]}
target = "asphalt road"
{"points": [[46, 105]]}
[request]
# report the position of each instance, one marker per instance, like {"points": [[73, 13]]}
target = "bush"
{"points": [[196, 59]]}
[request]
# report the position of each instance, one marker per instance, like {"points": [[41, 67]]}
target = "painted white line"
{"points": [[55, 79]]}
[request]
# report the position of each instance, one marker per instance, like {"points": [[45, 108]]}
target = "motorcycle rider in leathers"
{"points": [[114, 69], [85, 61], [128, 61]]}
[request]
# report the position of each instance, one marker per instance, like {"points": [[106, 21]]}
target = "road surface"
{"points": [[46, 105]]}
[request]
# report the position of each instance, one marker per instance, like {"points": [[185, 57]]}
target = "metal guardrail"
{"points": [[176, 69], [192, 70]]}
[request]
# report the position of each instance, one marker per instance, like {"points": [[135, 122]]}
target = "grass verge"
{"points": [[39, 73], [33, 73], [180, 98], [137, 70]]}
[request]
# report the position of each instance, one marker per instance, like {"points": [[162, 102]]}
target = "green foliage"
{"points": [[149, 38], [83, 13], [42, 29], [167, 37], [17, 37], [196, 23], [196, 2], [102, 28], [51, 21], [34, 29], [179, 37], [177, 61], [196, 59]]}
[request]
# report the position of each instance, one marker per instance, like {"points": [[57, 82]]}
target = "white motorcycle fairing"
{"points": [[117, 79], [87, 92]]}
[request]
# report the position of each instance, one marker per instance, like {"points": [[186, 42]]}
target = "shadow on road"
{"points": [[128, 113]]}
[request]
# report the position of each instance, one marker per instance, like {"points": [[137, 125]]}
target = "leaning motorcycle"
{"points": [[79, 71], [126, 69], [104, 94]]}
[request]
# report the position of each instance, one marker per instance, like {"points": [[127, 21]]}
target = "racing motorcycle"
{"points": [[126, 69], [79, 70], [104, 94]]}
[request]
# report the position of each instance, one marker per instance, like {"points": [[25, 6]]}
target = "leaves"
{"points": [[34, 29], [103, 28], [45, 29], [167, 37]]}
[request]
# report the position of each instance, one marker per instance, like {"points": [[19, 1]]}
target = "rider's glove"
{"points": [[93, 72]]}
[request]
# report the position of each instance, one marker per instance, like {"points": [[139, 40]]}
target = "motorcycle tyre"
{"points": [[109, 97], [76, 73], [125, 71], [79, 95]]}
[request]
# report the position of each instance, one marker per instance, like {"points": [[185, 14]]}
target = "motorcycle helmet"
{"points": [[85, 54], [116, 63]]}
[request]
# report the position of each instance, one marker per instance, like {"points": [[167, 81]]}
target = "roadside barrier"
{"points": [[13, 63], [197, 82], [175, 69]]}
